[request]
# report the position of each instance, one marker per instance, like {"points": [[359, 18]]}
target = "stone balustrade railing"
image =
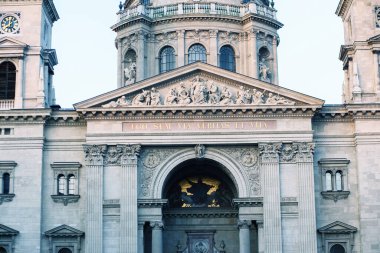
{"points": [[6, 104], [197, 8]]}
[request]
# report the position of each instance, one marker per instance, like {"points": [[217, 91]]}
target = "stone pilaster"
{"points": [[244, 236], [128, 198], [120, 64], [19, 98], [94, 155], [275, 62], [269, 156], [306, 199], [140, 247], [253, 46], [241, 70], [157, 244], [140, 71], [213, 48], [260, 233], [181, 48]]}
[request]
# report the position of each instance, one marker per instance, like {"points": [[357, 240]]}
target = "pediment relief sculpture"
{"points": [[200, 91]]}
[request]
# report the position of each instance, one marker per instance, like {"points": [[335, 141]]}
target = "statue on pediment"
{"points": [[172, 97], [120, 102], [243, 96], [143, 98], [199, 92], [183, 95], [155, 97], [274, 99], [264, 71], [213, 91], [226, 96], [257, 97]]}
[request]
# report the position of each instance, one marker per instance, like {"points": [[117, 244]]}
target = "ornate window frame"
{"points": [[334, 165], [7, 167], [7, 238], [337, 233], [377, 16], [66, 169], [64, 236]]}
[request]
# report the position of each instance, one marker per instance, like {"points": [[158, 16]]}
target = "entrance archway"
{"points": [[200, 212]]}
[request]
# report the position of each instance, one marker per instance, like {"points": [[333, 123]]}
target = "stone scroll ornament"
{"points": [[94, 154], [200, 92]]}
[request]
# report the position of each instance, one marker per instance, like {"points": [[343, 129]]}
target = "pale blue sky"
{"points": [[308, 52]]}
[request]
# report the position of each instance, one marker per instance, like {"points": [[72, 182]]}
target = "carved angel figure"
{"points": [[226, 97]]}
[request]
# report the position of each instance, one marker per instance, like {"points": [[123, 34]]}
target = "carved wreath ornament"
{"points": [[201, 92]]}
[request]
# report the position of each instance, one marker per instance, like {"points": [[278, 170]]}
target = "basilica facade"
{"points": [[199, 149]]}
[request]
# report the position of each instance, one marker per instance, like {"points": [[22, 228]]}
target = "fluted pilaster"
{"points": [[128, 199], [253, 46], [94, 155], [269, 155], [140, 246], [306, 199], [260, 233], [244, 236], [157, 244]]}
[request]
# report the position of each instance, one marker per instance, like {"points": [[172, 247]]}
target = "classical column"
{"points": [[306, 199], [157, 245], [120, 64], [260, 232], [213, 48], [275, 61], [140, 71], [269, 155], [140, 247], [253, 45], [244, 237], [18, 103], [94, 155], [181, 48], [128, 198]]}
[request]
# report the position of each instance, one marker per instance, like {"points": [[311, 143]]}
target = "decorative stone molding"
{"points": [[113, 155], [305, 152], [244, 224], [64, 236], [201, 213], [94, 154], [152, 203], [269, 152], [8, 237], [335, 195], [130, 154], [248, 202], [288, 153], [156, 225], [65, 199], [6, 198], [338, 233], [200, 151]]}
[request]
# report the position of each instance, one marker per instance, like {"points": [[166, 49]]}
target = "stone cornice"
{"points": [[342, 8], [51, 10], [152, 203], [262, 19]]}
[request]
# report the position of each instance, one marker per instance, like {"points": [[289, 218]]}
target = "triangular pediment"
{"points": [[374, 39], [337, 227], [8, 42], [64, 231], [199, 85], [7, 231], [131, 3]]}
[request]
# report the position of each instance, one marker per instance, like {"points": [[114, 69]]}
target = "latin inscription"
{"points": [[199, 126]]}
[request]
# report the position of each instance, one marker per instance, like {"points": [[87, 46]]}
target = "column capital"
{"points": [[213, 33], [94, 154], [130, 152], [181, 33], [269, 152], [305, 152], [244, 224], [260, 224], [157, 225], [253, 33]]}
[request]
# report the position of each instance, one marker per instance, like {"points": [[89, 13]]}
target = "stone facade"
{"points": [[195, 159]]}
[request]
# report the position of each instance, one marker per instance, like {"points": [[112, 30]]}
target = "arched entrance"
{"points": [[200, 214]]}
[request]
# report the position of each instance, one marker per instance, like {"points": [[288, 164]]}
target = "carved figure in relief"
{"points": [[120, 102], [183, 95], [213, 91], [258, 97], [283, 101], [130, 74], [226, 96], [143, 98], [200, 151], [264, 71], [271, 100], [199, 91], [155, 97], [243, 96], [172, 97]]}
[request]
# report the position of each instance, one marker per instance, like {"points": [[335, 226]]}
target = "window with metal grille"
{"points": [[197, 52], [227, 58], [167, 59], [7, 80]]}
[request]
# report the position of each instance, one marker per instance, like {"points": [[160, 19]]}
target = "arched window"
{"points": [[328, 181], [227, 58], [337, 248], [61, 184], [7, 80], [71, 181], [65, 250], [2, 250], [197, 52], [6, 183], [338, 181], [167, 59]]}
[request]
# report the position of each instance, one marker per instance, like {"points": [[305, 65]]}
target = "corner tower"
{"points": [[360, 53], [155, 37], [26, 58]]}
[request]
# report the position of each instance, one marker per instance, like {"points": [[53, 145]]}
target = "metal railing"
{"points": [[6, 104], [197, 8]]}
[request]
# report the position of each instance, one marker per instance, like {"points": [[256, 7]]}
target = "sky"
{"points": [[308, 51]]}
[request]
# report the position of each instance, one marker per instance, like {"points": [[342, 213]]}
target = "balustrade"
{"points": [[6, 104], [198, 8]]}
